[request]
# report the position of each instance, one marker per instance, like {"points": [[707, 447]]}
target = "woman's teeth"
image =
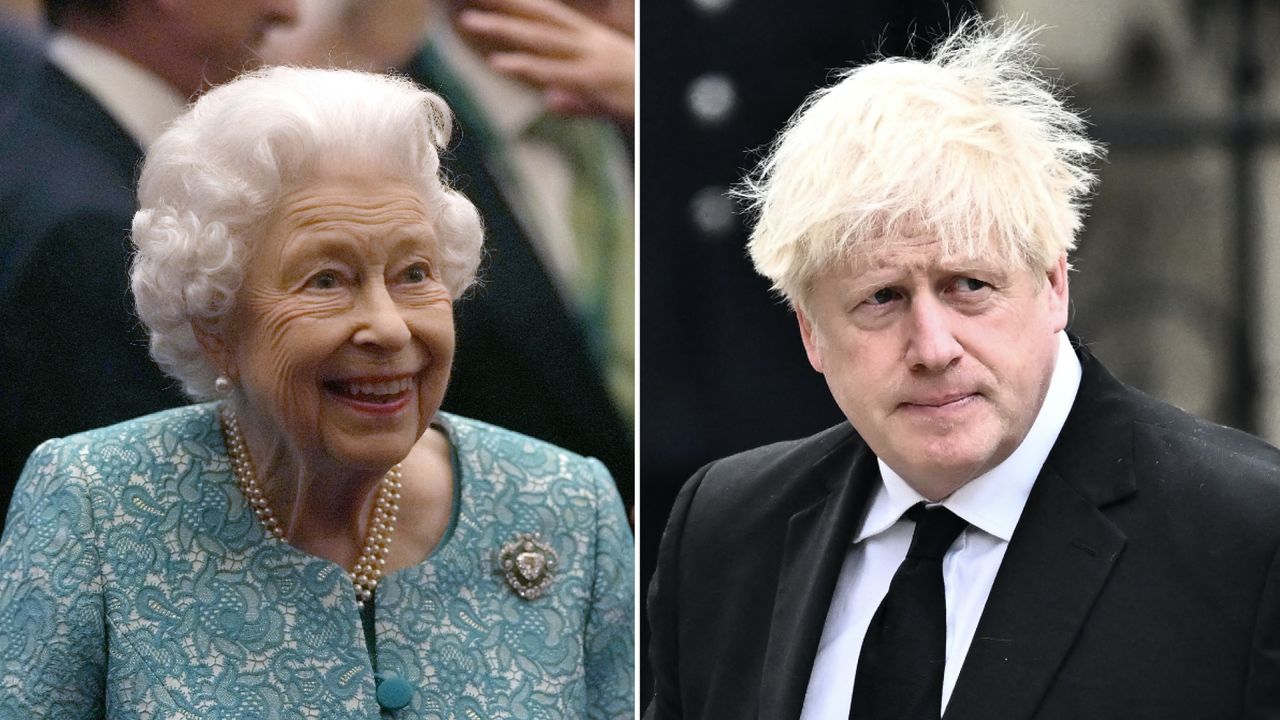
{"points": [[379, 389]]}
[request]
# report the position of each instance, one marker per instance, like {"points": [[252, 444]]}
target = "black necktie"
{"points": [[899, 674]]}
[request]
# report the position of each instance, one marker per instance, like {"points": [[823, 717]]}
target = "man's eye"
{"points": [[882, 297], [326, 280], [970, 284]]}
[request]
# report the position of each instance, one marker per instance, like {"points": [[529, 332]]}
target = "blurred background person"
{"points": [[21, 34], [19, 55], [23, 13], [1174, 257], [553, 315], [114, 73], [320, 541], [372, 35], [584, 62]]}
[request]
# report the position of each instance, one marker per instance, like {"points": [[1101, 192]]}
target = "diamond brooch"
{"points": [[528, 564]]}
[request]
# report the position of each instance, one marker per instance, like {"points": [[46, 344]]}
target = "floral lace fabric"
{"points": [[136, 583]]}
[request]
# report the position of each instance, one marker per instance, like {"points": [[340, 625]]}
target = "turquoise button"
{"points": [[394, 692]]}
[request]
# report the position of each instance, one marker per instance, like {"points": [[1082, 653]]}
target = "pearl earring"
{"points": [[223, 385]]}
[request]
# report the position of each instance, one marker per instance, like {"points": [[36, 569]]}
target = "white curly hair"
{"points": [[212, 179], [973, 147]]}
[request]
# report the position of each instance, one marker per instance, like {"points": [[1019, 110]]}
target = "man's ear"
{"points": [[212, 337], [812, 343], [1059, 298]]}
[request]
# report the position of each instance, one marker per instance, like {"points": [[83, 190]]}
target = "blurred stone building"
{"points": [[1174, 286]]}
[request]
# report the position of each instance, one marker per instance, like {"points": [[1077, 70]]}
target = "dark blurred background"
{"points": [[1170, 287]]}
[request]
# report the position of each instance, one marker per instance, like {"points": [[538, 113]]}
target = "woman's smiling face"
{"points": [[342, 337]]}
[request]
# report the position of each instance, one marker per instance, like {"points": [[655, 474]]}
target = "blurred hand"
{"points": [[583, 66]]}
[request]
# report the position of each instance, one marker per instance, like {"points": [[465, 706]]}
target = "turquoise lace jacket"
{"points": [[136, 583]]}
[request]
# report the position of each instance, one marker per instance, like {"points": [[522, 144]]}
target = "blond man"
{"points": [[1001, 530]]}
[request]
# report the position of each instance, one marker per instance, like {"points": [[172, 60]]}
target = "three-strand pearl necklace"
{"points": [[372, 560]]}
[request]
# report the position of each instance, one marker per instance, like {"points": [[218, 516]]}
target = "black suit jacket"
{"points": [[72, 354], [1142, 580], [522, 359]]}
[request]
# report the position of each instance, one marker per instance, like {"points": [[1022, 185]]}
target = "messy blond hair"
{"points": [[973, 147]]}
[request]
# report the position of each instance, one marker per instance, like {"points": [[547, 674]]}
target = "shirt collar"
{"points": [[993, 501], [509, 106], [132, 95]]}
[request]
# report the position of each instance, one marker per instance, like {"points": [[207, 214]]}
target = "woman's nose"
{"points": [[381, 322]]}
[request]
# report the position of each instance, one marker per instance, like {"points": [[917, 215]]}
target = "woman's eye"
{"points": [[417, 273], [326, 280]]}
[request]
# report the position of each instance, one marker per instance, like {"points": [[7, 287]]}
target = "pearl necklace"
{"points": [[372, 560]]}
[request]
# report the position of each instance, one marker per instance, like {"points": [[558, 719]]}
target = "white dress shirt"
{"points": [[990, 503], [132, 95]]}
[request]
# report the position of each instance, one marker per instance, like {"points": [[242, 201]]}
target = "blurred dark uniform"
{"points": [[73, 355], [524, 357]]}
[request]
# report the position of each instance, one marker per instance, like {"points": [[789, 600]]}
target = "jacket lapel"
{"points": [[816, 540], [1058, 560]]}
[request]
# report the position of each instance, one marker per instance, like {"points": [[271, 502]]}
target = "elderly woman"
{"points": [[320, 541]]}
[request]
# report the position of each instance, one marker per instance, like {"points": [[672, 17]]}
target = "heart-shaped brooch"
{"points": [[528, 564]]}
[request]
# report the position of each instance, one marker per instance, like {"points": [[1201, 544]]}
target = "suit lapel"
{"points": [[816, 541], [1058, 560]]}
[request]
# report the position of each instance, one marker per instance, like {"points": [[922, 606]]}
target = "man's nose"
{"points": [[380, 320], [931, 343]]}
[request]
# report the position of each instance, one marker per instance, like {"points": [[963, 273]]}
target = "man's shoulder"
{"points": [[785, 456], [41, 155], [56, 133], [1178, 432], [1117, 431], [1209, 458], [51, 174], [62, 190], [773, 481], [51, 185]]}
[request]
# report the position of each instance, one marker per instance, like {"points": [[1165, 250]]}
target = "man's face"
{"points": [[227, 36], [941, 364]]}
